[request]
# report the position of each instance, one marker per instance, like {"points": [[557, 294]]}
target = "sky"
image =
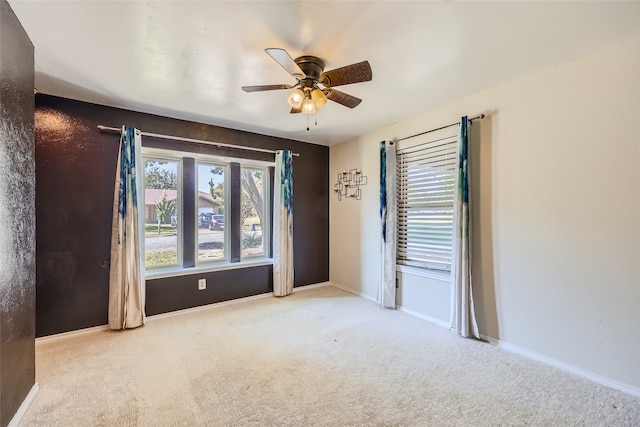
{"points": [[205, 175]]}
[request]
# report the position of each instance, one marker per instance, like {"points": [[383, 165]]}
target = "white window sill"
{"points": [[207, 268], [424, 272]]}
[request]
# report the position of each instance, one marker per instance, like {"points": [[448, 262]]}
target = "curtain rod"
{"points": [[481, 116], [197, 141]]}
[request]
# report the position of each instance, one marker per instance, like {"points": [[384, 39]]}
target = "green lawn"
{"points": [[151, 230], [157, 259]]}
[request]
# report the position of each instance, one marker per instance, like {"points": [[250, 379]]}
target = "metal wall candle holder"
{"points": [[350, 180]]}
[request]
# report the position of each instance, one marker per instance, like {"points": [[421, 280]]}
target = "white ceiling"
{"points": [[188, 59]]}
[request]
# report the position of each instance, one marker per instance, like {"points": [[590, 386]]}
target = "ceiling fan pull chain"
{"points": [[307, 122]]}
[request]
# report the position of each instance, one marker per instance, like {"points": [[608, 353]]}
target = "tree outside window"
{"points": [[252, 207]]}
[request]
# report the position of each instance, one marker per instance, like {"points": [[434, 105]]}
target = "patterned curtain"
{"points": [[463, 318], [388, 209], [283, 225], [126, 278]]}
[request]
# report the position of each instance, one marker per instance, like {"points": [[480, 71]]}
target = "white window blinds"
{"points": [[426, 189]]}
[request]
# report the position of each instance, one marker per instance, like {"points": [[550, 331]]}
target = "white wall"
{"points": [[556, 214]]}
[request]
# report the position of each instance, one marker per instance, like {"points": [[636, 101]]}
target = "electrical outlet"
{"points": [[202, 284]]}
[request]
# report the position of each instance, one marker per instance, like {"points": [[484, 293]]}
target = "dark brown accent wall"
{"points": [[75, 171], [17, 216], [221, 286]]}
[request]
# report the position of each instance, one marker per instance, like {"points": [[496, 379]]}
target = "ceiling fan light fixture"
{"points": [[296, 98], [308, 106], [318, 97]]}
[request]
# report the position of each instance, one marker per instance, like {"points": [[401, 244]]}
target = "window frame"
{"points": [[152, 153], [427, 268]]}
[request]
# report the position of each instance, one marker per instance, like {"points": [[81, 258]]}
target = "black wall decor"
{"points": [[75, 172], [17, 216]]}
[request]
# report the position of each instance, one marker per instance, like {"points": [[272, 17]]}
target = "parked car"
{"points": [[211, 221], [217, 222]]}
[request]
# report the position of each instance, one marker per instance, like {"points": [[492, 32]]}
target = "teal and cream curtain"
{"points": [[126, 277], [463, 318], [388, 217], [283, 225]]}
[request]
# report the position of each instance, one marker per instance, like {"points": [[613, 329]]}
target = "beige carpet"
{"points": [[321, 357]]}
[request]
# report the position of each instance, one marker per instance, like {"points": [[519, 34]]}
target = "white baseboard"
{"points": [[431, 319], [313, 286], [608, 382], [64, 335], [600, 379], [353, 291], [17, 417]]}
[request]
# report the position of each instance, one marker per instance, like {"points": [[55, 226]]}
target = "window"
{"points": [[204, 211], [426, 192], [161, 231], [253, 214], [210, 220]]}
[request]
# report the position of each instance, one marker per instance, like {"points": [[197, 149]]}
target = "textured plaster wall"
{"points": [[556, 246], [17, 216]]}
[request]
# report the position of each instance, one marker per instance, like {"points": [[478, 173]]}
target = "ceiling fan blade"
{"points": [[265, 87], [295, 110], [342, 98], [286, 61], [354, 73]]}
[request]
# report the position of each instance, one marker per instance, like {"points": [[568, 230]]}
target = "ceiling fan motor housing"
{"points": [[312, 67]]}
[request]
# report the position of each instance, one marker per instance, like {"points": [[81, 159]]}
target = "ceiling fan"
{"points": [[315, 86]]}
